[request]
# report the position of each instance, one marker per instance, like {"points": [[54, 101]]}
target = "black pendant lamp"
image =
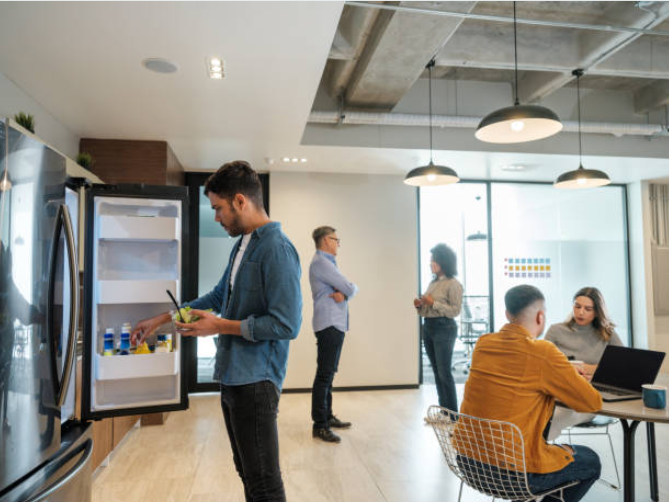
{"points": [[431, 174], [581, 178], [518, 123]]}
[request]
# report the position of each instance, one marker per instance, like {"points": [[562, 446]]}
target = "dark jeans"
{"points": [[439, 335], [585, 468], [250, 417], [330, 342]]}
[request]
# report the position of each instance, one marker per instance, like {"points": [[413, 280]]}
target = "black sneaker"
{"points": [[338, 424], [325, 435]]}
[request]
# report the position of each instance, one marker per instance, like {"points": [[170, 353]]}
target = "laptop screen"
{"points": [[628, 368]]}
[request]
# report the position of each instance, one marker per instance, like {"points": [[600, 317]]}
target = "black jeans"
{"points": [[439, 335], [250, 417], [330, 341]]}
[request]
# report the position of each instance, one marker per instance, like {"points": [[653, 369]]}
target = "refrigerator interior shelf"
{"points": [[136, 366], [138, 227], [128, 292]]}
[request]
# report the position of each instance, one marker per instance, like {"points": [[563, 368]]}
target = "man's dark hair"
{"points": [[320, 233], [233, 178], [446, 259], [520, 297]]}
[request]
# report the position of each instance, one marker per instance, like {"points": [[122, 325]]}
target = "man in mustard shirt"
{"points": [[516, 378]]}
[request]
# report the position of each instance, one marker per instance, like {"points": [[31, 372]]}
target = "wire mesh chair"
{"points": [[487, 455], [594, 428]]}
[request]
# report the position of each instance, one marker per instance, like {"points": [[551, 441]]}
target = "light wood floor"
{"points": [[388, 456]]}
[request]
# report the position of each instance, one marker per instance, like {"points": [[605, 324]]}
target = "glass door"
{"points": [[210, 247], [457, 216]]}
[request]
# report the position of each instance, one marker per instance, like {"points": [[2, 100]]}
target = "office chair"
{"points": [[487, 455], [470, 331], [598, 422]]}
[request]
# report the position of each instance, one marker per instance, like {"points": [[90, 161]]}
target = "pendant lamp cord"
{"points": [[578, 74], [430, 65], [515, 53]]}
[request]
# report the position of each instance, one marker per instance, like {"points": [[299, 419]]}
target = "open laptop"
{"points": [[622, 371]]}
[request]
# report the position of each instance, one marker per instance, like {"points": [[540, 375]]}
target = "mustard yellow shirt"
{"points": [[515, 378]]}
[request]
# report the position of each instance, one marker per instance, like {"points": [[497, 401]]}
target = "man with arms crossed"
{"points": [[516, 378], [260, 303], [331, 292]]}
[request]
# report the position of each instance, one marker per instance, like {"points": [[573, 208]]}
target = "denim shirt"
{"points": [[268, 302], [325, 278]]}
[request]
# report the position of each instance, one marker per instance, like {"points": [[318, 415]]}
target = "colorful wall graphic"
{"points": [[527, 268]]}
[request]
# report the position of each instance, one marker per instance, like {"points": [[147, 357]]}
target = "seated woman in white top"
{"points": [[583, 337]]}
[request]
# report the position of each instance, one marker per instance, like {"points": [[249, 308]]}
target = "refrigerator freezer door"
{"points": [[31, 194], [135, 251], [66, 477]]}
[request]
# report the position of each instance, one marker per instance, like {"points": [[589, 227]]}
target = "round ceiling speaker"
{"points": [[159, 65]]}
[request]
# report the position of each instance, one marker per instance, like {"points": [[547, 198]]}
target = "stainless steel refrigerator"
{"points": [[135, 244], [44, 453]]}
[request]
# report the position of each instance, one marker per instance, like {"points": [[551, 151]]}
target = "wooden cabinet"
{"points": [[132, 161]]}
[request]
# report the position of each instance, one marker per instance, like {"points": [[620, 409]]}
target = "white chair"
{"points": [[487, 455], [599, 422]]}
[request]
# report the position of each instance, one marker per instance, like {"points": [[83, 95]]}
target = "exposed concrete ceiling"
{"points": [[385, 63]]}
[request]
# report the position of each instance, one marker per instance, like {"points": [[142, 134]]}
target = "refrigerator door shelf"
{"points": [[139, 228], [136, 366], [129, 292]]}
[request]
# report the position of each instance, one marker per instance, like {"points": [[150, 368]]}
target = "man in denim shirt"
{"points": [[331, 292], [260, 303]]}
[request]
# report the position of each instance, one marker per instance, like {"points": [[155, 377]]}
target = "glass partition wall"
{"points": [[505, 234]]}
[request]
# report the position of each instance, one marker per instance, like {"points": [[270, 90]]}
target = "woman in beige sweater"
{"points": [[439, 305]]}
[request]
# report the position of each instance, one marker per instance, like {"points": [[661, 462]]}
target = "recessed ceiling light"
{"points": [[303, 160], [286, 159], [215, 67], [159, 65], [295, 160], [516, 167]]}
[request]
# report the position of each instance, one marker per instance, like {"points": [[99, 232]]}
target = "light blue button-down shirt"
{"points": [[325, 278]]}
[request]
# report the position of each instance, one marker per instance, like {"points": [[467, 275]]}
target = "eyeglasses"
{"points": [[335, 239]]}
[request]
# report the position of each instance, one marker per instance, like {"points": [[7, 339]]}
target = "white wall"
{"points": [[14, 100], [375, 217]]}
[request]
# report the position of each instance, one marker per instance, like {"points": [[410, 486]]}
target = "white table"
{"points": [[631, 413]]}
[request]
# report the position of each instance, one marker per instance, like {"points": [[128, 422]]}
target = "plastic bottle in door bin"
{"points": [[161, 344], [125, 339], [108, 349]]}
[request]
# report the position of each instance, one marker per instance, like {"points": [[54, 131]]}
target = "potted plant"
{"points": [[85, 160], [26, 121]]}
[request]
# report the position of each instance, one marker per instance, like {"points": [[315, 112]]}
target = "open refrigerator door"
{"points": [[135, 252]]}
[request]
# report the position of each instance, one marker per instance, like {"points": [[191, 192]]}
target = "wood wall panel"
{"points": [[174, 170], [131, 161]]}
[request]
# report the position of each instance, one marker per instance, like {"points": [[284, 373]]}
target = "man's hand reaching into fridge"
{"points": [[146, 327], [208, 324]]}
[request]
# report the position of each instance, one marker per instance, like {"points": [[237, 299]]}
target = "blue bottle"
{"points": [[124, 349], [108, 342]]}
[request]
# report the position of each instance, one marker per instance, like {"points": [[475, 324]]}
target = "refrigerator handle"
{"points": [[43, 496], [74, 304], [51, 337]]}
